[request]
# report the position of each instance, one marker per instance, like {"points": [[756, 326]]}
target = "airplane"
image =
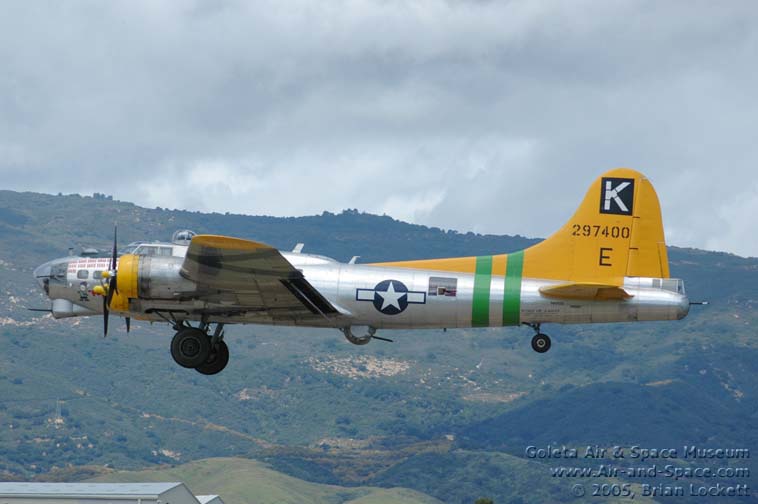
{"points": [[608, 263]]}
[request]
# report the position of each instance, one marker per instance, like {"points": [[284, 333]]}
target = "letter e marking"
{"points": [[605, 259]]}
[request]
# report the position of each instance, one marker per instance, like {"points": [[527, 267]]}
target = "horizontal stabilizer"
{"points": [[585, 291]]}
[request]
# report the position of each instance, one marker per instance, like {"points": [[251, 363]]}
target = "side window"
{"points": [[97, 275], [165, 251], [82, 274], [442, 286]]}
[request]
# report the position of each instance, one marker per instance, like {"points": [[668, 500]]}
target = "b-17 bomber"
{"points": [[608, 263]]}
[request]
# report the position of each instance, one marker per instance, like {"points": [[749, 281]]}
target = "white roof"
{"points": [[88, 489], [209, 499]]}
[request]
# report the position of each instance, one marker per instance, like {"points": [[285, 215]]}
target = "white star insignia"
{"points": [[391, 297]]}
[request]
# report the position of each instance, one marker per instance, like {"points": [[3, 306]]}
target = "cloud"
{"points": [[471, 115]]}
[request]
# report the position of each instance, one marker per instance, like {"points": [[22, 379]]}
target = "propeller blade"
{"points": [[114, 257], [115, 241], [128, 324], [113, 285], [105, 316]]}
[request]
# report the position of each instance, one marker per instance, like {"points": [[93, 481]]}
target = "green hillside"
{"points": [[241, 481], [448, 414]]}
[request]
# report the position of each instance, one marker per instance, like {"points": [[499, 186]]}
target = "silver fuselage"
{"points": [[418, 298]]}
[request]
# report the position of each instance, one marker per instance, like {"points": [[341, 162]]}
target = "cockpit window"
{"points": [[151, 250], [82, 274], [144, 250], [129, 249]]}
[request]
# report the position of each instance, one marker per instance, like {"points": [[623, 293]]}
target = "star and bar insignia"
{"points": [[391, 297]]}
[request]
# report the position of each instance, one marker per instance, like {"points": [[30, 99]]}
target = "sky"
{"points": [[484, 116]]}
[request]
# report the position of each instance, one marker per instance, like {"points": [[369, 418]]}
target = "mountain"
{"points": [[449, 414]]}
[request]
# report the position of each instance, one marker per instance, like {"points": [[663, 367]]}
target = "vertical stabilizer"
{"points": [[617, 231]]}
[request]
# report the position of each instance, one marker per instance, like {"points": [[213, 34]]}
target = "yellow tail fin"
{"points": [[617, 231]]}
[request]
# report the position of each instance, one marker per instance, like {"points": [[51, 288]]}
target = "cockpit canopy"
{"points": [[178, 246], [149, 249]]}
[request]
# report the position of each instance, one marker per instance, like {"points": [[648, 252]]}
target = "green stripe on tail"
{"points": [[512, 294], [480, 307]]}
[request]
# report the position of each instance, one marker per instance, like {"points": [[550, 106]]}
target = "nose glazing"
{"points": [[42, 274]]}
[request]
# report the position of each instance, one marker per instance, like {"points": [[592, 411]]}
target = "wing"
{"points": [[586, 291], [245, 275]]}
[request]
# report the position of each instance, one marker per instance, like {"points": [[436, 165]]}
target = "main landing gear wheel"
{"points": [[217, 360], [541, 343], [191, 347]]}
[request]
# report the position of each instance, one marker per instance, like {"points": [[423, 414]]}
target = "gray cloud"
{"points": [[484, 116]]}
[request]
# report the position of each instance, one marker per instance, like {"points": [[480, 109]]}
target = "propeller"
{"points": [[112, 277]]}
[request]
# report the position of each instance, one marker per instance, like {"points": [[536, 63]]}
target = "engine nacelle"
{"points": [[149, 277], [359, 340], [160, 278]]}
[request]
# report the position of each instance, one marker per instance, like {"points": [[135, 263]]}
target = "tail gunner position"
{"points": [[607, 264]]}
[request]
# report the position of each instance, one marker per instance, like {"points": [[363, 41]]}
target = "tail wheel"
{"points": [[190, 347], [217, 360], [541, 343]]}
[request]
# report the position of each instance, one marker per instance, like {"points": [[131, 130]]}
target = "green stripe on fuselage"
{"points": [[512, 292], [480, 306]]}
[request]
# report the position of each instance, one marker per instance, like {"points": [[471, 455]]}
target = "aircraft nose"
{"points": [[50, 271], [43, 271], [42, 276]]}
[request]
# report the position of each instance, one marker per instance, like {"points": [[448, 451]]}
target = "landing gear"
{"points": [[370, 331], [217, 360], [540, 342], [192, 348], [359, 340]]}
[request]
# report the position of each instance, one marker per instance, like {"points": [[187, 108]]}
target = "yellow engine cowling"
{"points": [[128, 282]]}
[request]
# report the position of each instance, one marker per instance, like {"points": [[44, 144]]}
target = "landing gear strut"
{"points": [[540, 342], [193, 348]]}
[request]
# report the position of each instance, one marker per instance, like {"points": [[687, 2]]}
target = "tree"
{"points": [[484, 500]]}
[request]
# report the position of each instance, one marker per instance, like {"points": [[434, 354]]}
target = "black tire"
{"points": [[541, 343], [190, 347], [217, 360]]}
